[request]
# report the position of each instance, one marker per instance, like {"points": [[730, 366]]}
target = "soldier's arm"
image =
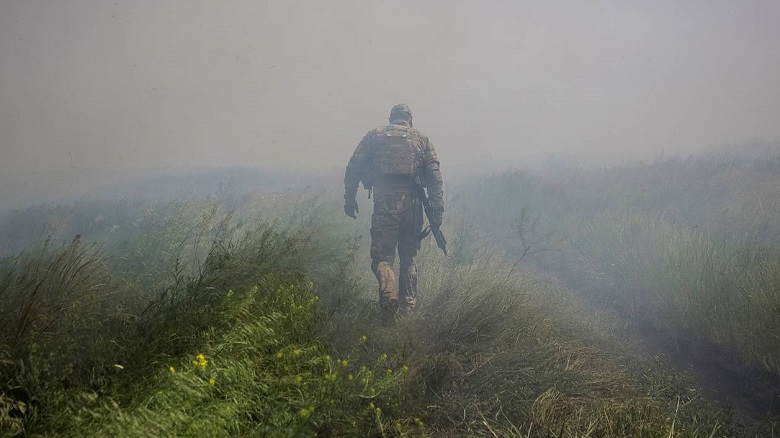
{"points": [[356, 168], [433, 178]]}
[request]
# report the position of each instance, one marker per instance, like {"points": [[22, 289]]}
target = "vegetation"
{"points": [[192, 318], [690, 245]]}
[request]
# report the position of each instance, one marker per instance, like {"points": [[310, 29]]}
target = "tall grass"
{"points": [[283, 312], [690, 244], [77, 313], [516, 355]]}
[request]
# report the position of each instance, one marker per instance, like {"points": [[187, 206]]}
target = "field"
{"points": [[687, 245], [575, 302]]}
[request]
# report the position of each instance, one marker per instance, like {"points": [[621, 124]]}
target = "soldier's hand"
{"points": [[351, 208]]}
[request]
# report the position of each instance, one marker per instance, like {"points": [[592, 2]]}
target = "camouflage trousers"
{"points": [[396, 223]]}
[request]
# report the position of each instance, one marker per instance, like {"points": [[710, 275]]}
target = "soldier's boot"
{"points": [[388, 312], [408, 288], [388, 289]]}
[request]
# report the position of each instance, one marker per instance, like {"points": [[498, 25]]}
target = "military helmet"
{"points": [[400, 111]]}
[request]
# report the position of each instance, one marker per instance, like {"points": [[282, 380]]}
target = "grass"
{"points": [[262, 320], [265, 376], [689, 244], [518, 355]]}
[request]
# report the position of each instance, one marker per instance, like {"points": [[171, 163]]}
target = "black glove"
{"points": [[351, 208]]}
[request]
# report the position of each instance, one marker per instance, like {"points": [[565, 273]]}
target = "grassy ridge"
{"points": [[284, 316]]}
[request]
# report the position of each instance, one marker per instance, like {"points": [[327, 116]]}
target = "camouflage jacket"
{"points": [[360, 166]]}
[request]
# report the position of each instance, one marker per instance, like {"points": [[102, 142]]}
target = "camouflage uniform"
{"points": [[398, 214]]}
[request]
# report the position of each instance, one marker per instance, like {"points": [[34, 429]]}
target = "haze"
{"points": [[100, 88]]}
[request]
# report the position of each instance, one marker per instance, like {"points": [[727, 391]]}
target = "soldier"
{"points": [[391, 160]]}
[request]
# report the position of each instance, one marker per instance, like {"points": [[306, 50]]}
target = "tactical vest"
{"points": [[395, 152]]}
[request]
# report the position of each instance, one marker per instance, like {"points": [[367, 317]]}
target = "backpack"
{"points": [[395, 151]]}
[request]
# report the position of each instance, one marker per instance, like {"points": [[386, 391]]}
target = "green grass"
{"points": [[278, 298], [263, 376]]}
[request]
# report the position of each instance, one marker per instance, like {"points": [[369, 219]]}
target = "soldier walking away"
{"points": [[395, 162]]}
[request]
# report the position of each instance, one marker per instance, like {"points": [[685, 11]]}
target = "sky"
{"points": [[111, 87]]}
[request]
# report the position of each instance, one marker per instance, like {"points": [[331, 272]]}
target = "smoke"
{"points": [[293, 86]]}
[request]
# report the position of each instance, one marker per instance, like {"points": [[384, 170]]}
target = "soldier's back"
{"points": [[395, 157]]}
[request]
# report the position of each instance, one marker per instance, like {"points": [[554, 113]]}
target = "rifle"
{"points": [[431, 228]]}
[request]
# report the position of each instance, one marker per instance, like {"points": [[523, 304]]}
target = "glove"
{"points": [[351, 208]]}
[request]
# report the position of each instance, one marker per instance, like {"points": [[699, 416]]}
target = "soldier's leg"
{"points": [[408, 245], [384, 237]]}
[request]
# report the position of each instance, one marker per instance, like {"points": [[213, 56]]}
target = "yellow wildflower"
{"points": [[304, 413], [350, 377], [344, 363], [172, 369], [297, 352], [405, 369], [279, 355], [363, 338], [212, 381], [200, 361]]}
